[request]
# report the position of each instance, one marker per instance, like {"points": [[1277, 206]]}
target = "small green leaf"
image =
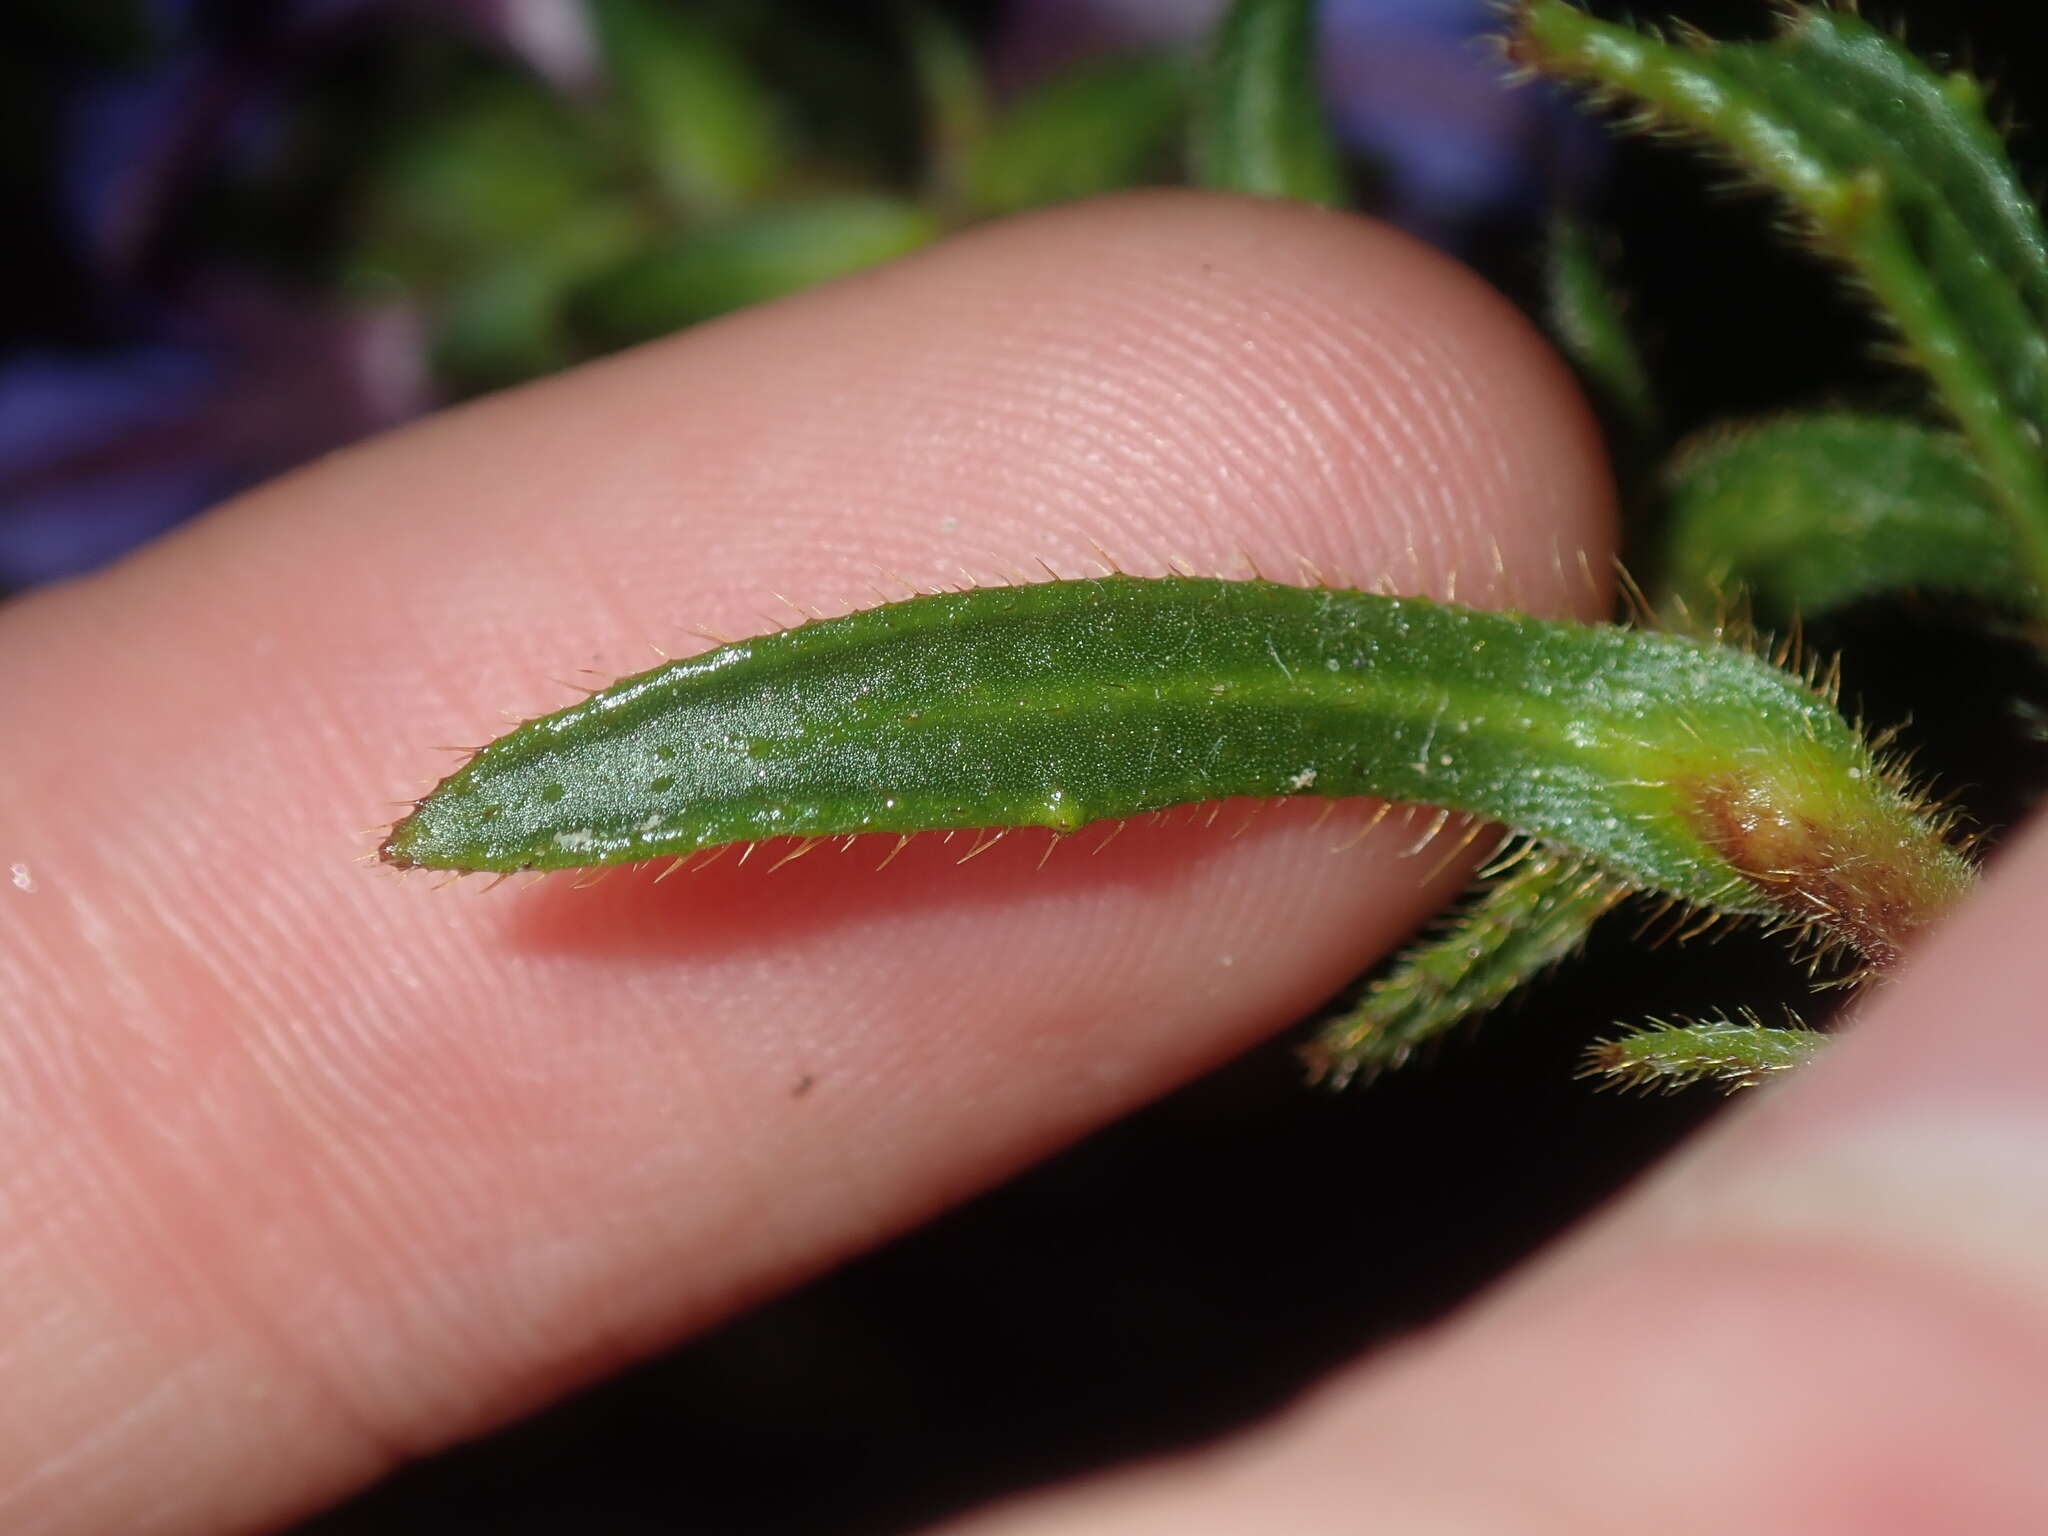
{"points": [[1097, 128], [1811, 513], [1680, 766], [751, 258], [701, 120], [1259, 124], [1894, 172], [1584, 312], [1514, 929], [503, 321], [1729, 1054], [955, 96], [501, 165]]}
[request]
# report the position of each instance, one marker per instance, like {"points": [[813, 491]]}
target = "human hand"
{"points": [[310, 1168]]}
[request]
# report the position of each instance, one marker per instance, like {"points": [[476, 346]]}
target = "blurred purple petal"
{"points": [[67, 529], [1418, 84], [55, 408], [128, 145], [301, 377], [1041, 37], [97, 453], [134, 142], [92, 456]]}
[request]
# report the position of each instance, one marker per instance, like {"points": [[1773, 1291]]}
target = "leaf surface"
{"points": [[1678, 765], [1259, 123]]}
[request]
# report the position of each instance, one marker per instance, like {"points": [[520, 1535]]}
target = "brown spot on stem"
{"points": [[1869, 876]]}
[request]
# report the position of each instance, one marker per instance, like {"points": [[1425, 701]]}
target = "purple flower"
{"points": [[138, 141], [91, 458], [101, 451], [207, 379], [1418, 85]]}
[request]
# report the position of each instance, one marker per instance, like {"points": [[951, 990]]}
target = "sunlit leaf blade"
{"points": [[1102, 126], [1895, 173], [1259, 123], [1805, 514], [1512, 931], [1679, 765], [1728, 1054], [1585, 316], [747, 259], [700, 117]]}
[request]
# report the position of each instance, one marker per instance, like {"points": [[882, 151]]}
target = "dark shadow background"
{"points": [[1194, 1266]]}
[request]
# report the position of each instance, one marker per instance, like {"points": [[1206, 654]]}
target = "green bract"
{"points": [[1733, 1053], [1525, 921], [1680, 766]]}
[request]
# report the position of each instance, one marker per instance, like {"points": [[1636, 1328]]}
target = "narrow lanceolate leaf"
{"points": [[1259, 120], [1516, 928], [1728, 1054], [1809, 513], [1584, 315], [1678, 765], [1895, 171]]}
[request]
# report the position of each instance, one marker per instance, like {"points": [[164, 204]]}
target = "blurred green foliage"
{"points": [[723, 162]]}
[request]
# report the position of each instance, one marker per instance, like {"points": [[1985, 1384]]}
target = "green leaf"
{"points": [[1811, 513], [1585, 318], [701, 119], [502, 165], [504, 321], [1259, 124], [1514, 929], [1103, 126], [1730, 1054], [749, 259], [1895, 172], [1678, 765]]}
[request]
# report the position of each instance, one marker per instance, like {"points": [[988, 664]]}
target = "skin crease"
{"points": [[306, 1168]]}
